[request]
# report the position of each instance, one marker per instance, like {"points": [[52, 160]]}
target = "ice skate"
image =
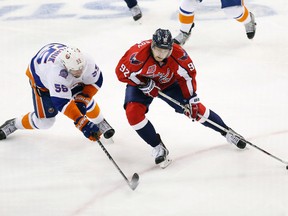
{"points": [[7, 128], [160, 152], [236, 139], [251, 27], [182, 37], [106, 129], [136, 12]]}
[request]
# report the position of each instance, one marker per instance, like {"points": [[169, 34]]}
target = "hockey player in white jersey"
{"points": [[63, 79]]}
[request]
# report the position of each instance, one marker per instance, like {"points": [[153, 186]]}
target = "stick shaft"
{"points": [[221, 128], [131, 184]]}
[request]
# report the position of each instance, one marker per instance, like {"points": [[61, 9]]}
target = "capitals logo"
{"points": [[163, 77], [134, 60], [184, 56]]}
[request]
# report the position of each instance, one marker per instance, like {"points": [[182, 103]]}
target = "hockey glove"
{"points": [[82, 100], [88, 128], [150, 88], [191, 110]]}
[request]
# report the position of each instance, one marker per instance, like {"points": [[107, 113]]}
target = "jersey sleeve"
{"points": [[130, 66], [71, 110], [186, 73], [92, 78]]}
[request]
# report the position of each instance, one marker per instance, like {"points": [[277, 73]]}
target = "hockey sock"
{"points": [[148, 134], [131, 3], [217, 119]]}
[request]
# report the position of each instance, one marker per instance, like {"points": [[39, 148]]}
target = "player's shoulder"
{"points": [[51, 48], [142, 45], [136, 55], [89, 61], [177, 49], [141, 50], [179, 52]]}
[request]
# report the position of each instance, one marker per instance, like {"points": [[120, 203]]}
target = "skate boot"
{"points": [[136, 12], [182, 37], [106, 129], [251, 27], [160, 152], [7, 128], [236, 139]]}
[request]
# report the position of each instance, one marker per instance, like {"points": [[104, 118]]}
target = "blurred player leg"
{"points": [[134, 8], [238, 11], [186, 19], [43, 116]]}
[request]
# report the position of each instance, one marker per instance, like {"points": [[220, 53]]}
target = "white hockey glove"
{"points": [[191, 110], [150, 88]]}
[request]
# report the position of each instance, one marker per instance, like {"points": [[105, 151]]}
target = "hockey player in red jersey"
{"points": [[161, 65], [63, 79]]}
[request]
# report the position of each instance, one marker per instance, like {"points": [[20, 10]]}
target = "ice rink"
{"points": [[58, 172]]}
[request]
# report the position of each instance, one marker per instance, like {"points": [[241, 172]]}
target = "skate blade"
{"points": [[165, 163]]}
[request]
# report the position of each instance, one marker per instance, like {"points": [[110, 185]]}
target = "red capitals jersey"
{"points": [[138, 64]]}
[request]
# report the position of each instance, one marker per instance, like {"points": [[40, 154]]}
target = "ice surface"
{"points": [[58, 172]]}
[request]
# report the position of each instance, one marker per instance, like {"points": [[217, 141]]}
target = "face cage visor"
{"points": [[77, 73]]}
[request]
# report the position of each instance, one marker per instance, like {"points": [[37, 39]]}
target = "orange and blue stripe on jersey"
{"points": [[32, 73], [42, 106]]}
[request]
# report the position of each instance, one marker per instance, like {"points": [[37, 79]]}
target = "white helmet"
{"points": [[72, 59]]}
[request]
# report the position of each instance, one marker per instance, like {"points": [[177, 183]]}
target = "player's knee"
{"points": [[135, 112], [203, 111]]}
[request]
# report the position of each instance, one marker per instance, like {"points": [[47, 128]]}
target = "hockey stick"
{"points": [[135, 178], [222, 128]]}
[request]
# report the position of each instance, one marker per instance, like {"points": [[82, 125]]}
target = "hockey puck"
{"points": [[287, 167]]}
